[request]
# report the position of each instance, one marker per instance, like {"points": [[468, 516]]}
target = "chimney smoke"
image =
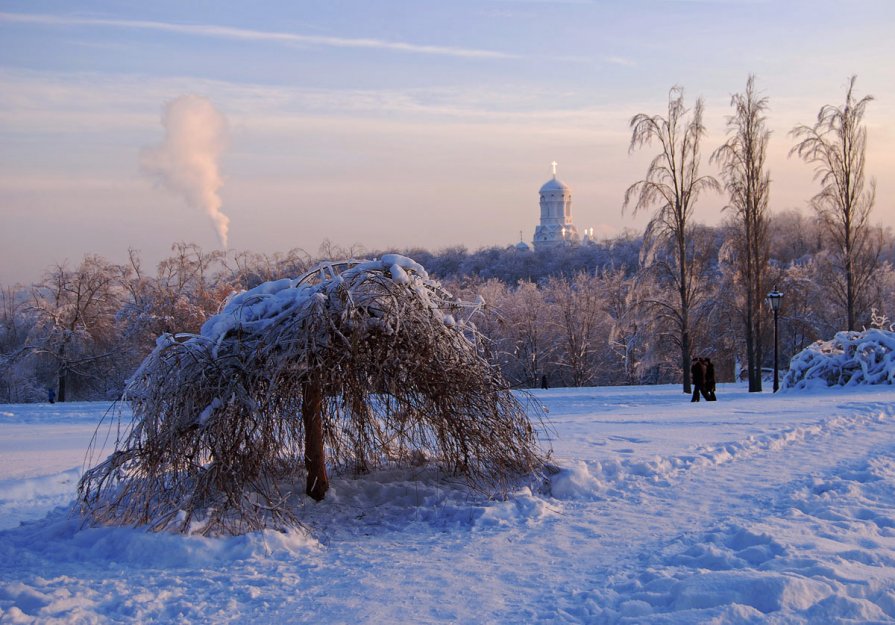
{"points": [[186, 162]]}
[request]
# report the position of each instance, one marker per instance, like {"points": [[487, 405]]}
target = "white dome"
{"points": [[555, 185]]}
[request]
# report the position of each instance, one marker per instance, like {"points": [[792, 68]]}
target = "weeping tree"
{"points": [[671, 187], [747, 181], [350, 367], [836, 146]]}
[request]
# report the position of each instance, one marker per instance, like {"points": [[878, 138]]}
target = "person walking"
{"points": [[697, 374], [709, 381]]}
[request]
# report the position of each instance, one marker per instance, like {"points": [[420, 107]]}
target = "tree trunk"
{"points": [[754, 380], [849, 292], [759, 345], [685, 313], [753, 311], [62, 374], [60, 388], [315, 458]]}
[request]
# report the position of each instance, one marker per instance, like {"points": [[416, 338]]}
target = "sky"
{"points": [[417, 123]]}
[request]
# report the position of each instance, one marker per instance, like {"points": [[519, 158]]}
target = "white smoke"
{"points": [[186, 162]]}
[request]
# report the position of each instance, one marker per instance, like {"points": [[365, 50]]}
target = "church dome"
{"points": [[555, 185]]}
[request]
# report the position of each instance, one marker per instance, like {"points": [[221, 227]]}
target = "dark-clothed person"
{"points": [[697, 374], [698, 371], [709, 380]]}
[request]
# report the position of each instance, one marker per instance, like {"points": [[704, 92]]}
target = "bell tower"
{"points": [[556, 227]]}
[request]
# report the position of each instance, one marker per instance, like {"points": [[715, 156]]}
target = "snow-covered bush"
{"points": [[851, 358], [353, 365]]}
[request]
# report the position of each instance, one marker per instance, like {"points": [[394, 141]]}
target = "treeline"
{"points": [[585, 315], [614, 323], [634, 309]]}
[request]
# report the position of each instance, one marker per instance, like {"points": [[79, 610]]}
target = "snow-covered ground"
{"points": [[752, 509]]}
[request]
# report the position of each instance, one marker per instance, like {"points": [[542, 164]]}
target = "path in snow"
{"points": [[613, 537], [753, 509], [709, 540]]}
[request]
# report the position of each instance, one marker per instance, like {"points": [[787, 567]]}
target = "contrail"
{"points": [[186, 162], [227, 32]]}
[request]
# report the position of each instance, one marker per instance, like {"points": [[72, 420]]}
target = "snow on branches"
{"points": [[352, 366], [851, 358]]}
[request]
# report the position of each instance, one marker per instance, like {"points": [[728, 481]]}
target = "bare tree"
{"points": [[352, 366], [794, 237], [75, 319], [18, 381], [186, 290], [625, 335], [672, 186], [525, 338], [836, 146], [581, 325], [248, 269], [747, 180], [657, 297]]}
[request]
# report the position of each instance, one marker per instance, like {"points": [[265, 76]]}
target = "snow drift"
{"points": [[851, 358]]}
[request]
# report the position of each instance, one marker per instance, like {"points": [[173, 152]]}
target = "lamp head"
{"points": [[774, 298]]}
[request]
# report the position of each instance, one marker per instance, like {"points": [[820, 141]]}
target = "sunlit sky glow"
{"points": [[417, 123]]}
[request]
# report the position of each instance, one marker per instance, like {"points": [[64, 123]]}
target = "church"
{"points": [[556, 228]]}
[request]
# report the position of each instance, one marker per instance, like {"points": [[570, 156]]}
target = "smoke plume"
{"points": [[186, 162]]}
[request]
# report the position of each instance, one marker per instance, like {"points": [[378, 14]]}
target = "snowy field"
{"points": [[753, 509]]}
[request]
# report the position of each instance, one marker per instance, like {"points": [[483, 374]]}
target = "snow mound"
{"points": [[576, 482], [851, 358], [407, 500], [60, 537]]}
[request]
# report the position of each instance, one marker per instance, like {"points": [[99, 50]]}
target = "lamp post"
{"points": [[774, 298]]}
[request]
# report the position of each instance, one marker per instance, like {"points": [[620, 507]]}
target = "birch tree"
{"points": [[747, 181], [836, 146], [671, 187]]}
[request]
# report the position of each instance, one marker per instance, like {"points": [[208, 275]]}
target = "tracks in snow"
{"points": [[721, 530]]}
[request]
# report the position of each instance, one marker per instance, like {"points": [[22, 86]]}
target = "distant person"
{"points": [[697, 374], [544, 384], [709, 380], [696, 377], [51, 395]]}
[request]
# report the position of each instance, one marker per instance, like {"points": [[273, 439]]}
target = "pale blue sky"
{"points": [[396, 123]]}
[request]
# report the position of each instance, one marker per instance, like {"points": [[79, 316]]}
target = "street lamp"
{"points": [[774, 298]]}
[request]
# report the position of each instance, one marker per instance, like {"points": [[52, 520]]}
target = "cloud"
{"points": [[243, 34], [620, 60], [42, 102]]}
